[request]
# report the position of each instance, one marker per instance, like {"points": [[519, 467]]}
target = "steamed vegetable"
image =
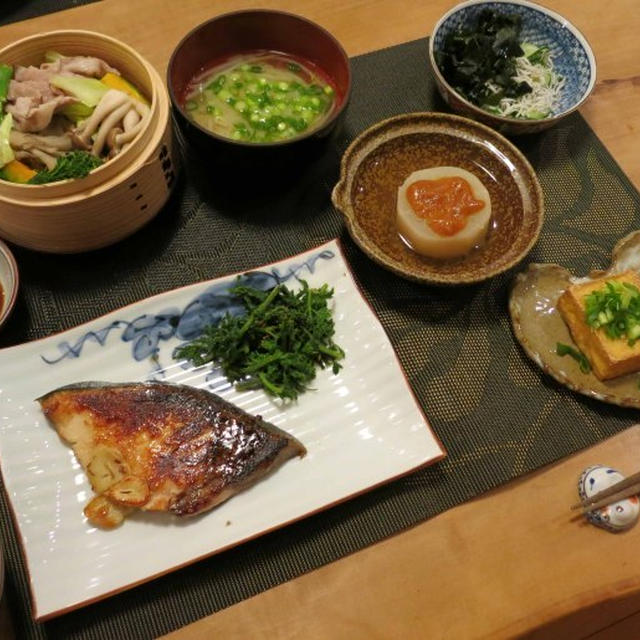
{"points": [[16, 171], [113, 81], [6, 152], [52, 56], [276, 345], [61, 121], [6, 73], [75, 164], [77, 111], [87, 90]]}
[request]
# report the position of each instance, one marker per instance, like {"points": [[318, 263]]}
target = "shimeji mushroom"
{"points": [[42, 148], [111, 101], [112, 122], [133, 122]]}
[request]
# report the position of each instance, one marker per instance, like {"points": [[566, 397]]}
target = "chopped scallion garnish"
{"points": [[616, 310], [567, 350]]}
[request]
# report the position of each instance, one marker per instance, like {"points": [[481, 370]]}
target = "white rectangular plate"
{"points": [[361, 427]]}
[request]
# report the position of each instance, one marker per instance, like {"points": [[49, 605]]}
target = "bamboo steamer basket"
{"points": [[117, 198]]}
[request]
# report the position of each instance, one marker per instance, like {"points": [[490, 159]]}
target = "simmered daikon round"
{"points": [[443, 212]]}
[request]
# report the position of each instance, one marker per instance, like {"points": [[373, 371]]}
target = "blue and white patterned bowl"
{"points": [[572, 58]]}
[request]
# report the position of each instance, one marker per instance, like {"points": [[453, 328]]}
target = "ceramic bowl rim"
{"points": [[276, 143], [9, 296], [356, 232], [563, 22]]}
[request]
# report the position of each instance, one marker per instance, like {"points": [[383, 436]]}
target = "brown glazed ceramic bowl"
{"points": [[247, 31], [379, 160]]}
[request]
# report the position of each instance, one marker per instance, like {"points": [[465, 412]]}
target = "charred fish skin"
{"points": [[192, 448]]}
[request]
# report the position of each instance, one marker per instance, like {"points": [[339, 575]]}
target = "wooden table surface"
{"points": [[512, 562]]}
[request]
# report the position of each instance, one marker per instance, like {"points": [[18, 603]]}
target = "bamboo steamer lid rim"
{"points": [[106, 176]]}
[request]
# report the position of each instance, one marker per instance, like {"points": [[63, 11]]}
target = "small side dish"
{"points": [[491, 66], [513, 64], [380, 165], [590, 348], [163, 447], [443, 212], [65, 117]]}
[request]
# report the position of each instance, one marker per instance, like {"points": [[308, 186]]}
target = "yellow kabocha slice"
{"points": [[118, 82], [16, 171]]}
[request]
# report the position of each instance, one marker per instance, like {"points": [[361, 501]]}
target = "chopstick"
{"points": [[624, 489]]}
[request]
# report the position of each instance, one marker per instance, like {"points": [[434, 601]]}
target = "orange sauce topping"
{"points": [[445, 203]]}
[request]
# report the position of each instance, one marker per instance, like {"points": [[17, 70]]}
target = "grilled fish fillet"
{"points": [[163, 447]]}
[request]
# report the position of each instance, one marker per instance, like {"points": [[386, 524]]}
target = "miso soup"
{"points": [[260, 97]]}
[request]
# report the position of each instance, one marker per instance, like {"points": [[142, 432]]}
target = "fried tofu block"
{"points": [[609, 357]]}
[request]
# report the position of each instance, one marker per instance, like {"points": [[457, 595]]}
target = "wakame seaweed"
{"points": [[472, 60]]}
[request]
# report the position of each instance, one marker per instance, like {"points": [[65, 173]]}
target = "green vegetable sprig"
{"points": [[75, 164], [615, 309], [6, 73], [277, 345], [567, 350]]}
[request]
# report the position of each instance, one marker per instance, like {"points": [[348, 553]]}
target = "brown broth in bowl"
{"points": [[259, 97]]}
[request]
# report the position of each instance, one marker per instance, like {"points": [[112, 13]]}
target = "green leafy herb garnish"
{"points": [[567, 350], [75, 164], [616, 310], [276, 345]]}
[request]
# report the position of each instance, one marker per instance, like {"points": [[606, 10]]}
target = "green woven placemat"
{"points": [[496, 413]]}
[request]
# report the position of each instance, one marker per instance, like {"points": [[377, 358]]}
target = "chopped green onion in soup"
{"points": [[261, 97]]}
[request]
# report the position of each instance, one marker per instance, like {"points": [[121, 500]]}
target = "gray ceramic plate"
{"points": [[379, 160], [538, 325]]}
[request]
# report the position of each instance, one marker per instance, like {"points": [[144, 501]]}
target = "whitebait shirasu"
{"points": [[546, 86]]}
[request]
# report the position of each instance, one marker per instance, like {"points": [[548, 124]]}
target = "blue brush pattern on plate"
{"points": [[147, 331]]}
